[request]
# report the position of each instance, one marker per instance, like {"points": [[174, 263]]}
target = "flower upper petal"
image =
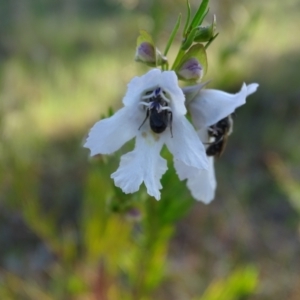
{"points": [[185, 144], [142, 164], [169, 83], [138, 85], [167, 80], [190, 92], [108, 135], [210, 106], [201, 183]]}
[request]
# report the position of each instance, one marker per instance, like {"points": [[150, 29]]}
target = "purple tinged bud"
{"points": [[145, 53], [134, 214], [191, 70]]}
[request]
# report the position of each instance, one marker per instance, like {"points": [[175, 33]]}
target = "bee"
{"points": [[158, 111], [219, 132]]}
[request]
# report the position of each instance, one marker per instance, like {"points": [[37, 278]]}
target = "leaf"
{"points": [[190, 39], [172, 36], [200, 15], [188, 18], [239, 285]]}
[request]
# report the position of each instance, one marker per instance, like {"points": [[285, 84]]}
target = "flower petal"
{"points": [[210, 106], [142, 164], [201, 183], [169, 83], [203, 136], [138, 85], [183, 171], [167, 80], [251, 88], [190, 92], [108, 135], [185, 144]]}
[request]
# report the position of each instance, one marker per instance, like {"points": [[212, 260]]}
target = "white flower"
{"points": [[154, 113], [201, 183], [207, 107]]}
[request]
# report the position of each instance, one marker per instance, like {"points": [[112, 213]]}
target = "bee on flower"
{"points": [[153, 103], [208, 107], [154, 113]]}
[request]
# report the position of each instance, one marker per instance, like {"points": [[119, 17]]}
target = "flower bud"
{"points": [[133, 214], [193, 64], [145, 53], [206, 33], [190, 70]]}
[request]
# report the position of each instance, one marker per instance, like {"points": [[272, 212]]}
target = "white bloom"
{"points": [[207, 107], [201, 183], [156, 94]]}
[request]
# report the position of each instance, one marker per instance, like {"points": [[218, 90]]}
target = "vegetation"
{"points": [[67, 233]]}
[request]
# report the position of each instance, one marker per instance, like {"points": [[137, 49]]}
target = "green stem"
{"points": [[165, 66], [146, 249]]}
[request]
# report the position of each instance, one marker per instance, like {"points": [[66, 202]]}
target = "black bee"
{"points": [[158, 111], [219, 132]]}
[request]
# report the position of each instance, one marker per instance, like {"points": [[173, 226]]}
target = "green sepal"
{"points": [[211, 40], [144, 37]]}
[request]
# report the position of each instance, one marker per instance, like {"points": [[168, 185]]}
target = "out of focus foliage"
{"points": [[67, 233]]}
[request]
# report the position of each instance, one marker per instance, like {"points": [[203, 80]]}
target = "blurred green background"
{"points": [[67, 233]]}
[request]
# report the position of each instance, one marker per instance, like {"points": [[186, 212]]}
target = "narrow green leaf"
{"points": [[172, 36], [240, 284], [200, 15], [190, 39], [188, 18]]}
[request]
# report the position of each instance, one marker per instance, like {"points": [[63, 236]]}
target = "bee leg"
{"points": [[147, 116], [171, 119]]}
